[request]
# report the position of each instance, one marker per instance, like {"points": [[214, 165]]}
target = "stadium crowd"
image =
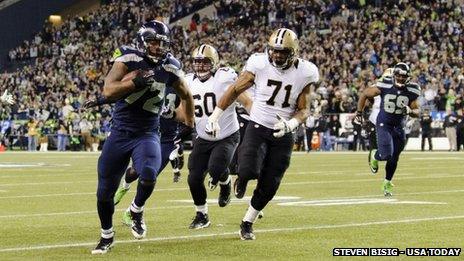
{"points": [[351, 42]]}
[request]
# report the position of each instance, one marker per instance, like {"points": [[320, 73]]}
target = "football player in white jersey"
{"points": [[281, 103], [211, 154], [370, 125]]}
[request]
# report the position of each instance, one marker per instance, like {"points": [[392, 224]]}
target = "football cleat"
{"points": [[103, 246], [387, 187], [119, 195], [176, 177], [224, 194], [138, 228], [126, 218], [373, 163], [240, 187], [246, 231], [200, 221]]}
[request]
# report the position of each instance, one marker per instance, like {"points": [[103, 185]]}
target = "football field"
{"points": [[325, 201]]}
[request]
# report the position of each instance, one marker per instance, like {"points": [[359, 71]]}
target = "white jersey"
{"points": [[206, 95], [277, 90], [375, 110]]}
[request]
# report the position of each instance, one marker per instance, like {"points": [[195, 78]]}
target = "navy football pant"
{"points": [[266, 158], [390, 142], [118, 149]]}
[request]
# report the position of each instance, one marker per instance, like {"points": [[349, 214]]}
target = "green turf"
{"points": [[48, 210]]}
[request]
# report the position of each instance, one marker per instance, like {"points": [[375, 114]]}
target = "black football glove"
{"points": [[358, 119], [143, 80]]}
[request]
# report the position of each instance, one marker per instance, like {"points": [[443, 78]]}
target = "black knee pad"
{"points": [[147, 183]]}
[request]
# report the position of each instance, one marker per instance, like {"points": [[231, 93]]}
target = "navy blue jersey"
{"points": [[169, 127], [394, 99], [139, 111]]}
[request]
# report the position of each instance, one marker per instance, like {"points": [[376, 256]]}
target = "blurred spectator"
{"points": [[460, 130], [450, 129], [426, 129], [32, 135]]}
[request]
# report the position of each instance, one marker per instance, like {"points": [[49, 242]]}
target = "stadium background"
{"points": [[53, 64]]}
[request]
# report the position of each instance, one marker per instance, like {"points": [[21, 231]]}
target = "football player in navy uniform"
{"points": [[169, 141], [281, 103], [398, 98], [135, 122]]}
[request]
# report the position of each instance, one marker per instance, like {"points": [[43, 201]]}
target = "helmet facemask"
{"points": [[281, 57], [203, 68], [155, 46], [401, 75]]}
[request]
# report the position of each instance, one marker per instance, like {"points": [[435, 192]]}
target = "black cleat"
{"points": [[224, 194], [138, 228], [200, 221], [246, 231], [240, 187], [176, 177], [103, 246]]}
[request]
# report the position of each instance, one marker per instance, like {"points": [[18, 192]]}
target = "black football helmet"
{"points": [[153, 39], [401, 74]]}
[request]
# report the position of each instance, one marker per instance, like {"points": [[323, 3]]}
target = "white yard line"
{"points": [[212, 205], [81, 193], [274, 230]]}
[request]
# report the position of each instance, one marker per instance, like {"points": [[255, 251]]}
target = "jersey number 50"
{"points": [[395, 104]]}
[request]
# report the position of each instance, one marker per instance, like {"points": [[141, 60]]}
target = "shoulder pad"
{"points": [[226, 74], [414, 88], [386, 82], [189, 77], [126, 53], [309, 70], [258, 60], [170, 59]]}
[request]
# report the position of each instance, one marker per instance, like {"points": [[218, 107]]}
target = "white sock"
{"points": [[125, 185], [203, 208], [251, 214], [136, 209], [107, 233], [225, 182]]}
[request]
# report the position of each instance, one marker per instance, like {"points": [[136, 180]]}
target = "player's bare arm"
{"points": [[303, 104], [367, 94], [245, 99], [414, 109], [244, 81], [187, 105], [114, 89]]}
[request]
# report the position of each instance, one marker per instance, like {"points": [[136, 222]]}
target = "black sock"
{"points": [[390, 169], [105, 212], [144, 190]]}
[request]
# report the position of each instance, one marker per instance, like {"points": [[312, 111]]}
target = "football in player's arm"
{"points": [[135, 122]]}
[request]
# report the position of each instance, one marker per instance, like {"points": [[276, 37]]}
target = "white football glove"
{"points": [[212, 126], [175, 152], [283, 126], [7, 98]]}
